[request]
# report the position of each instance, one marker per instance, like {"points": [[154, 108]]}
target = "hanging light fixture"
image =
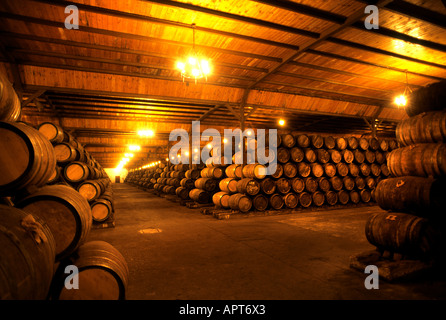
{"points": [[401, 100], [194, 67]]}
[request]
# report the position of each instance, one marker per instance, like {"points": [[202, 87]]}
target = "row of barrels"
{"points": [[413, 197], [10, 106]]}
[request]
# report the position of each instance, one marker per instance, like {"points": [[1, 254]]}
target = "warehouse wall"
{"points": [[113, 172]]}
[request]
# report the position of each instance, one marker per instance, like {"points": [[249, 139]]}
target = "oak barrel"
{"points": [[234, 171], [276, 201], [331, 197], [283, 185], [427, 127], [182, 192], [66, 212], [268, 186], [429, 98], [260, 202], [52, 132], [305, 199], [27, 251], [248, 185], [298, 185], [221, 199], [290, 169], [343, 197], [10, 106], [228, 185], [318, 198], [199, 196], [254, 170], [101, 210], [76, 171], [207, 184], [290, 200], [297, 154], [239, 201]]}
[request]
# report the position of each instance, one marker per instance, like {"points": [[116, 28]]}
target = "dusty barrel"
{"points": [[336, 183], [239, 201], [342, 169], [27, 251], [283, 185], [329, 142], [283, 155], [234, 171], [101, 210], [207, 184], [317, 170], [316, 141], [103, 273], [65, 211], [52, 132], [370, 156], [353, 169], [343, 196], [323, 184], [426, 159], [318, 198], [348, 156], [249, 186], [302, 140], [192, 174], [291, 200], [311, 184], [370, 182], [221, 199], [411, 194], [298, 185], [323, 156], [297, 154], [290, 170], [354, 196], [335, 155], [373, 144], [199, 196], [27, 158], [254, 170], [276, 201], [279, 171], [429, 98], [359, 156], [310, 155], [330, 169], [365, 169], [228, 185], [260, 202], [365, 195], [288, 140], [363, 143], [76, 171], [303, 169], [212, 172], [10, 107], [331, 197], [427, 127], [182, 192], [187, 183], [352, 143], [359, 182], [400, 232], [341, 143]]}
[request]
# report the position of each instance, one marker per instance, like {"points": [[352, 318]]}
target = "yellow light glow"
{"points": [[187, 153], [281, 122], [209, 145], [225, 140], [195, 150], [167, 159], [134, 148], [146, 133], [181, 65], [192, 61], [205, 67], [249, 132], [401, 100], [129, 155]]}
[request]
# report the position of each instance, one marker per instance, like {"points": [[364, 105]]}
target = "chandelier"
{"points": [[401, 100], [194, 67]]}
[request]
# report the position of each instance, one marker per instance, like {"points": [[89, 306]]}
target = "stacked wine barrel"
{"points": [[77, 168], [415, 194], [207, 183], [10, 107], [44, 224], [312, 170]]}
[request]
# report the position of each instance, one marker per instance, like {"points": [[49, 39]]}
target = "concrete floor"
{"points": [[174, 252]]}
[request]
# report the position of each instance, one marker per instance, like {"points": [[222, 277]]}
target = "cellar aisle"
{"points": [[174, 252]]}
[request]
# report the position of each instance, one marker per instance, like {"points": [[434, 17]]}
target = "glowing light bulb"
{"points": [[401, 100], [281, 122]]}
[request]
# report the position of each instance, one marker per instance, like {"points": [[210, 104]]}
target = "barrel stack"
{"points": [[46, 221], [414, 196]]}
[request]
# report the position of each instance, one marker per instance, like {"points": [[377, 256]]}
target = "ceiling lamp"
{"points": [[401, 100], [194, 67], [281, 122]]}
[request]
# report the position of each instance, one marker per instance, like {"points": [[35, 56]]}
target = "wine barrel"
{"points": [[192, 174], [310, 155], [318, 198], [348, 182], [249, 186], [316, 141], [358, 156], [101, 210], [365, 195], [276, 201], [27, 158], [336, 183], [234, 171], [212, 172], [353, 169], [311, 184], [365, 169], [429, 98], [254, 170], [288, 140], [305, 199], [323, 156], [52, 132], [393, 144], [302, 140], [268, 186], [103, 273], [182, 192], [341, 143], [331, 197], [279, 171], [10, 106], [239, 201], [76, 171], [329, 142], [354, 196], [260, 202], [343, 197], [228, 185], [207, 184], [363, 143], [427, 159], [317, 170], [90, 189], [417, 195], [347, 155], [323, 183], [370, 156], [187, 183], [385, 170], [330, 169], [297, 154], [380, 157], [401, 232], [383, 145], [283, 185], [290, 200], [427, 127], [359, 182], [56, 176], [342, 169], [352, 143], [370, 182], [290, 170], [298, 185], [373, 144], [66, 212], [27, 251], [283, 155], [199, 196], [221, 199], [335, 155], [375, 170], [303, 169], [65, 152]]}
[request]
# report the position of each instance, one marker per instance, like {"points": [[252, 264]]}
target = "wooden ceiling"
{"points": [[311, 61]]}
